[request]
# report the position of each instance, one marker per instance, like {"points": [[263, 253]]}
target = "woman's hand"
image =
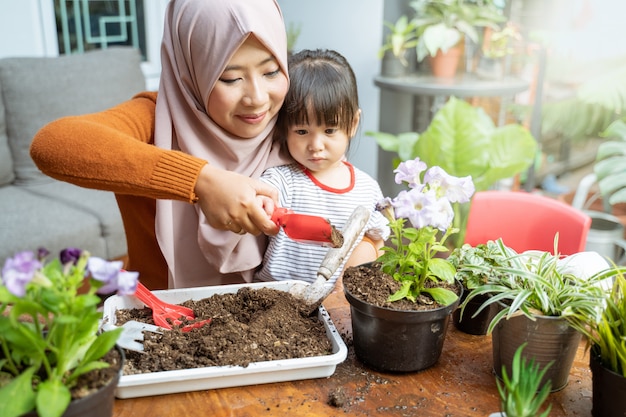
{"points": [[230, 201]]}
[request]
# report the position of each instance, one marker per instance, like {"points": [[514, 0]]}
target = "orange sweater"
{"points": [[114, 150]]}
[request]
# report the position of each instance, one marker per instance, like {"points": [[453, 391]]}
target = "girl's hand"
{"points": [[230, 201]]}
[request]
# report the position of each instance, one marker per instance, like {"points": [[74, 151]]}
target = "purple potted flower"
{"points": [[49, 329], [420, 280]]}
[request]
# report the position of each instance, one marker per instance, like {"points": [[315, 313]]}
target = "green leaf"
{"points": [[17, 397], [443, 296], [442, 269], [53, 398], [403, 292], [103, 344]]}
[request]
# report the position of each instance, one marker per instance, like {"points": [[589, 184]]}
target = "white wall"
{"points": [[354, 29], [23, 25]]}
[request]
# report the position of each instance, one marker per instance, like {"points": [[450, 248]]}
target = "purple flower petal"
{"points": [[70, 255], [410, 171], [102, 270], [19, 271]]}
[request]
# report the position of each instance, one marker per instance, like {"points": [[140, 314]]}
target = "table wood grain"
{"points": [[460, 384]]}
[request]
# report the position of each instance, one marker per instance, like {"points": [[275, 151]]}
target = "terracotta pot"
{"points": [[609, 390], [445, 65], [98, 404], [549, 339], [397, 340], [474, 325]]}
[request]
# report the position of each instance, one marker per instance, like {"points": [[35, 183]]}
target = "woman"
{"points": [[184, 163]]}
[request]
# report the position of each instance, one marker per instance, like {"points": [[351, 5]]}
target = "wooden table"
{"points": [[460, 384]]}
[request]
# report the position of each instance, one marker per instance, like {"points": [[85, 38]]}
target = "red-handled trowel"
{"points": [[306, 228]]}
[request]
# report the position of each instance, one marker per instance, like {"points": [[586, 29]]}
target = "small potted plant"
{"points": [[497, 44], [542, 299], [398, 42], [607, 341], [49, 332], [523, 393], [442, 25], [489, 255], [403, 329]]}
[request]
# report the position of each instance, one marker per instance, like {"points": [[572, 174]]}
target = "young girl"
{"points": [[318, 118]]}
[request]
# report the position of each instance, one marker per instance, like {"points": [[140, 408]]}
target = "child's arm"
{"points": [[368, 250]]}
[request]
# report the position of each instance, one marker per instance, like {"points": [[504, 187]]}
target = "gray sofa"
{"points": [[36, 210]]}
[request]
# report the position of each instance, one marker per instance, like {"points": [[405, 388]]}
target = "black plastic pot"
{"points": [[474, 325], [609, 390], [398, 340], [98, 404], [549, 339]]}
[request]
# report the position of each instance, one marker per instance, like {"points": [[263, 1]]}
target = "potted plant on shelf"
{"points": [[398, 42], [49, 334], [496, 45], [522, 394], [488, 255], [442, 25], [607, 341], [464, 141], [404, 328], [542, 301]]}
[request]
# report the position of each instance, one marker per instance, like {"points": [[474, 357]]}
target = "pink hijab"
{"points": [[200, 36]]}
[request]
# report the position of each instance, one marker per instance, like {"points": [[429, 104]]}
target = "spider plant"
{"points": [[539, 283], [607, 336], [521, 394]]}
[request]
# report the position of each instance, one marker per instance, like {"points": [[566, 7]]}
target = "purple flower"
{"points": [[102, 270], [455, 189], [124, 284], [19, 271], [42, 253], [424, 209], [70, 255], [410, 171], [415, 205], [111, 274], [443, 214]]}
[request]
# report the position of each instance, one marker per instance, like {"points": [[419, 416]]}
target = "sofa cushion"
{"points": [[38, 90], [6, 162], [100, 204], [30, 221]]}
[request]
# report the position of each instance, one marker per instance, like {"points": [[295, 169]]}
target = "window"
{"points": [[84, 25]]}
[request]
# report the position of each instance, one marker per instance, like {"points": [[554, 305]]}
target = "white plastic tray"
{"points": [[169, 382]]}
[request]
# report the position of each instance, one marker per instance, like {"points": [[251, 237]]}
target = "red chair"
{"points": [[526, 221]]}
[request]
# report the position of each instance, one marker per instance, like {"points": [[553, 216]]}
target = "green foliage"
{"points": [[521, 394], [607, 335], [411, 259], [441, 24], [487, 255], [400, 39], [610, 166], [596, 100], [464, 141], [536, 283]]}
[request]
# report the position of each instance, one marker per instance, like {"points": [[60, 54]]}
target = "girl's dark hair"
{"points": [[322, 82]]}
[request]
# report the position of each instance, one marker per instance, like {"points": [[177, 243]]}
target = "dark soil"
{"points": [[371, 285], [252, 325], [94, 380]]}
